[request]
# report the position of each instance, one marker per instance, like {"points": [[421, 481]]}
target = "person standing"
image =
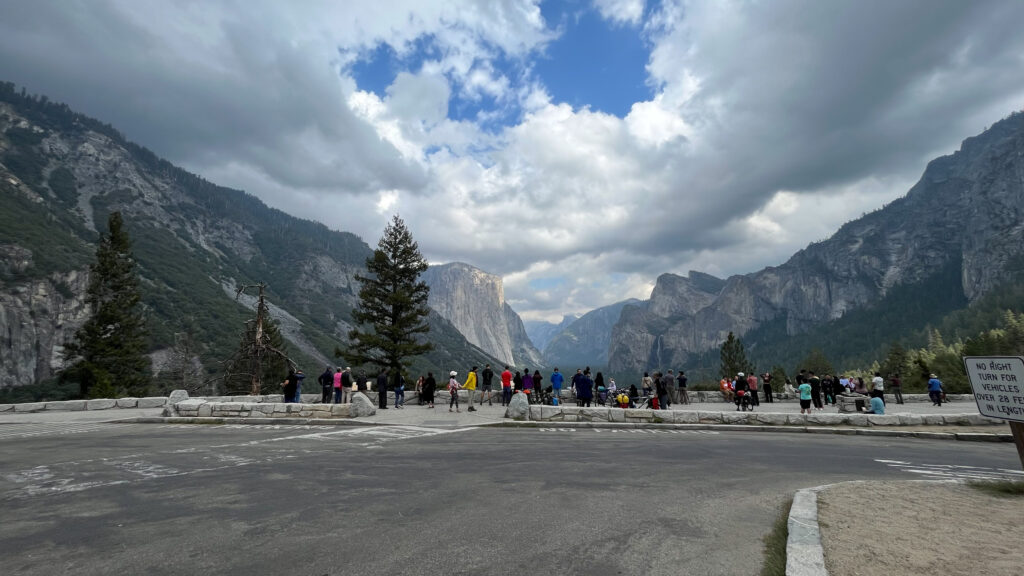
{"points": [[517, 383], [429, 387], [828, 389], [815, 383], [506, 386], [673, 393], [527, 386], [739, 386], [897, 387], [453, 389], [360, 378], [485, 384], [399, 386], [538, 385], [935, 389], [470, 387], [346, 386], [752, 388], [289, 384], [556, 386], [681, 380], [299, 377], [336, 385], [326, 379], [647, 384], [769, 396], [585, 390], [419, 390], [805, 397], [660, 391], [878, 387], [382, 389]]}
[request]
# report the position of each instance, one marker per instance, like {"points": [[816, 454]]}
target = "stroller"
{"points": [[602, 395], [743, 400]]}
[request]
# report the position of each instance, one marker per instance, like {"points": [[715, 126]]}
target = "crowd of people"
{"points": [[658, 391]]}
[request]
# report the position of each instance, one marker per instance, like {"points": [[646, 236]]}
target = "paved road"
{"points": [[174, 499]]}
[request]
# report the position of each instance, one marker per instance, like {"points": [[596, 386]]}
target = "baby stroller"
{"points": [[743, 400], [602, 395]]}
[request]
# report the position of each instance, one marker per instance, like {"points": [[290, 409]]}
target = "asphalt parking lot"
{"points": [[234, 499]]}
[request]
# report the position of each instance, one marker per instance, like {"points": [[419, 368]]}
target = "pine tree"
{"points": [[392, 309], [249, 364], [734, 358], [897, 361], [817, 363], [109, 350]]}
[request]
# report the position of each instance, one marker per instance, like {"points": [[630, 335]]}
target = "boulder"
{"points": [[518, 408], [101, 404], [361, 406], [177, 396]]}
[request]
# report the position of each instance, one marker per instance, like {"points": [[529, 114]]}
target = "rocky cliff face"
{"points": [[62, 173], [969, 206], [474, 302], [541, 332], [585, 341]]}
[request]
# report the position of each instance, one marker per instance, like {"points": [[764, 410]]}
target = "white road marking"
{"points": [[954, 471], [629, 431]]}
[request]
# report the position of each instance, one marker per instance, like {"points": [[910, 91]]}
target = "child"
{"points": [[453, 389]]}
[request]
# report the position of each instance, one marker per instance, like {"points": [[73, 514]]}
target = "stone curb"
{"points": [[251, 421], [962, 436], [805, 555]]}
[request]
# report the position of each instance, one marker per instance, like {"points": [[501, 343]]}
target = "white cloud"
{"points": [[771, 123], [621, 11]]}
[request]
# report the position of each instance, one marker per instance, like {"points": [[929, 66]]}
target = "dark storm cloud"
{"points": [[265, 101]]}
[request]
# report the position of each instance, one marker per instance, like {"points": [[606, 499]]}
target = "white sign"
{"points": [[998, 383]]}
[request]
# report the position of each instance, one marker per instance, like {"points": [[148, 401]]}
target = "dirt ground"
{"points": [[920, 529]]}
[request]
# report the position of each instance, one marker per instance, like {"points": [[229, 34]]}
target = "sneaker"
{"points": [[471, 409], [449, 409]]}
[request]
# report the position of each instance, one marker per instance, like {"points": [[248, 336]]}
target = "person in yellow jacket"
{"points": [[470, 387]]}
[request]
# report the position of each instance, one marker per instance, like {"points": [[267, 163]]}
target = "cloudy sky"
{"points": [[578, 148]]}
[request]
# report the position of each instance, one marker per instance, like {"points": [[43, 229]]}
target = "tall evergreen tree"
{"points": [[392, 309], [109, 350], [734, 358], [817, 363]]}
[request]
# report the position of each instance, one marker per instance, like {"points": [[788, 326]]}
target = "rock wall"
{"points": [[36, 318], [474, 302], [966, 208]]}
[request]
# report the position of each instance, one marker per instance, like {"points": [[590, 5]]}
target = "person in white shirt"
{"points": [[877, 387]]}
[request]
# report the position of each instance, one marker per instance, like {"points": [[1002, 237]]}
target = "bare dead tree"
{"points": [[256, 347]]}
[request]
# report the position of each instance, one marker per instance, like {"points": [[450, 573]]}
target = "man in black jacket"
{"points": [[382, 389], [326, 381], [485, 384]]}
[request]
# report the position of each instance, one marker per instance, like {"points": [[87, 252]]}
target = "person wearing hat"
{"points": [[935, 389], [453, 389]]}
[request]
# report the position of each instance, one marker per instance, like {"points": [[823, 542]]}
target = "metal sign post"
{"points": [[998, 384]]}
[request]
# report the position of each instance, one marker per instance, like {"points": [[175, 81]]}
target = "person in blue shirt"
{"points": [[556, 386], [877, 406], [935, 390]]}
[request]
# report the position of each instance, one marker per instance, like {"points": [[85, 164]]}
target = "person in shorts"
{"points": [[486, 377], [805, 397]]}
